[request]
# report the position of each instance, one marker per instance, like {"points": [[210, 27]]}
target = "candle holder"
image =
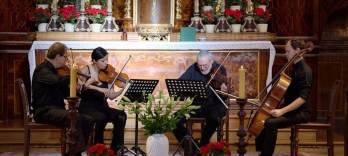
{"points": [[54, 24], [241, 131], [197, 23], [72, 131], [222, 25], [109, 24], [82, 24], [249, 24]]}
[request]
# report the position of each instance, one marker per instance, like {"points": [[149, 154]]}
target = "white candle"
{"points": [[196, 5], [82, 6], [109, 5], [242, 82], [73, 80]]}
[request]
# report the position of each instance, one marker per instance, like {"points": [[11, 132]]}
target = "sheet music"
{"points": [[119, 98]]}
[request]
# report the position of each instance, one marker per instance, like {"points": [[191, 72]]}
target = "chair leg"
{"points": [[63, 142], [296, 142], [329, 135], [292, 141], [26, 141], [219, 131]]}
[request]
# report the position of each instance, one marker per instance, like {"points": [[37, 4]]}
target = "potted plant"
{"points": [[234, 17], [209, 20], [215, 149], [69, 16], [98, 4], [41, 17], [97, 17], [99, 150], [43, 3], [158, 116], [261, 17], [262, 3], [234, 4]]}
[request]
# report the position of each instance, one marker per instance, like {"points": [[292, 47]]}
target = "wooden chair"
{"points": [[337, 90], [346, 125], [30, 125]]}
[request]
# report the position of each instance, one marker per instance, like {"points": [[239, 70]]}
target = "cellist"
{"points": [[295, 107]]}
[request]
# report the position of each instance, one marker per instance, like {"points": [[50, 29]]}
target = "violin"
{"points": [[109, 74], [65, 71], [218, 79]]}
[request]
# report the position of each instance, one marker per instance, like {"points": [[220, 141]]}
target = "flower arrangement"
{"points": [[158, 113], [262, 2], [100, 150], [208, 17], [96, 15], [215, 149], [69, 14], [40, 15], [233, 16], [261, 15]]}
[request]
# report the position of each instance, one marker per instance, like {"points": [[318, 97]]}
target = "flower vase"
{"points": [[262, 27], [235, 7], [96, 27], [42, 6], [157, 145], [209, 28], [42, 27], [235, 28], [69, 27]]}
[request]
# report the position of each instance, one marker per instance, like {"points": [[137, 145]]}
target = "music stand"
{"points": [[139, 91], [184, 89]]}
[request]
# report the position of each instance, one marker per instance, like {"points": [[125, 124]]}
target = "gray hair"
{"points": [[204, 53]]}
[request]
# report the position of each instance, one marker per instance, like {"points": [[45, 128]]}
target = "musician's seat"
{"points": [[335, 97]]}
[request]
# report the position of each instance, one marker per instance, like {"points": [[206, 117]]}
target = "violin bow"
{"points": [[118, 74], [223, 61]]}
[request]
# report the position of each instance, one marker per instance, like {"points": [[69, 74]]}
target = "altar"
{"points": [[164, 60]]}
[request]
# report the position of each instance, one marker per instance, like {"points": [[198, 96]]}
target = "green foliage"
{"points": [[158, 113], [43, 1], [66, 2]]}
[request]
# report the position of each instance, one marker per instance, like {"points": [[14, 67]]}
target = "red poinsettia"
{"points": [[233, 16], [40, 15], [261, 15], [100, 150], [96, 15], [208, 17], [216, 149], [69, 14]]}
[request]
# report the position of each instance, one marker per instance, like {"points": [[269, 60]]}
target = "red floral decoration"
{"points": [[216, 149], [69, 14], [40, 15], [208, 17], [261, 15], [233, 16], [100, 150], [96, 15]]}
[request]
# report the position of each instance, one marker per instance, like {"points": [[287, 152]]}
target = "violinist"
{"points": [[94, 100], [211, 109], [295, 107], [49, 90]]}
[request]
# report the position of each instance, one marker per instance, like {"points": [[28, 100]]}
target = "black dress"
{"points": [[94, 104]]}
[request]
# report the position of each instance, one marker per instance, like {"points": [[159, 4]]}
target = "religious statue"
{"points": [[127, 9], [178, 9]]}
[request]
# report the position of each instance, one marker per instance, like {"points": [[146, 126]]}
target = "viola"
{"points": [[109, 74]]}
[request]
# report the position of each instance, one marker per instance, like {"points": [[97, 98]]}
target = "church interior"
{"points": [[153, 43]]}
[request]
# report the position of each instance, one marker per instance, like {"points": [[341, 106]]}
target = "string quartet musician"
{"points": [[49, 89], [211, 109], [94, 103], [295, 107]]}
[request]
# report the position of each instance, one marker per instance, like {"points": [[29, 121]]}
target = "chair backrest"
{"points": [[336, 97], [24, 98]]}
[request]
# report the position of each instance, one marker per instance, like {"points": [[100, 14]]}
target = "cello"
{"points": [[280, 84]]}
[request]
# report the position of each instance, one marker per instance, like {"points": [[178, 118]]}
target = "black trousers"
{"points": [[266, 140], [212, 115], [101, 118], [59, 117]]}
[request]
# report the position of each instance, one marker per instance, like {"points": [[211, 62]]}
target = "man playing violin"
{"points": [[211, 109], [49, 90], [295, 107], [94, 100]]}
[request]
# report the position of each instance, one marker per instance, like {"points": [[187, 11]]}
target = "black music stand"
{"points": [[139, 91], [184, 89]]}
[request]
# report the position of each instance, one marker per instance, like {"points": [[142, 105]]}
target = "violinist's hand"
{"points": [[91, 81], [277, 112], [223, 87]]}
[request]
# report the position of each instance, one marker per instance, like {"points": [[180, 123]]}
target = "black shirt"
{"points": [[193, 73], [49, 89], [300, 86]]}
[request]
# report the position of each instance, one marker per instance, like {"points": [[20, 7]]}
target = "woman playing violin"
{"points": [[94, 100], [295, 107]]}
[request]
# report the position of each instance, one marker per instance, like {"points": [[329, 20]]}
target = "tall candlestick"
{"points": [[82, 5], [73, 80], [109, 5], [242, 82], [196, 5]]}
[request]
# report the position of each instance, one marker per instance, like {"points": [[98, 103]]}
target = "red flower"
{"points": [[215, 148], [233, 16], [40, 15], [261, 15], [96, 15], [69, 14], [100, 150]]}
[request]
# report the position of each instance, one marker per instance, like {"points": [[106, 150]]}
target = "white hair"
{"points": [[204, 53]]}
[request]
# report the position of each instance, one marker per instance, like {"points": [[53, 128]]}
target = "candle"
{"points": [[82, 5], [196, 5], [73, 80], [109, 5], [242, 82]]}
